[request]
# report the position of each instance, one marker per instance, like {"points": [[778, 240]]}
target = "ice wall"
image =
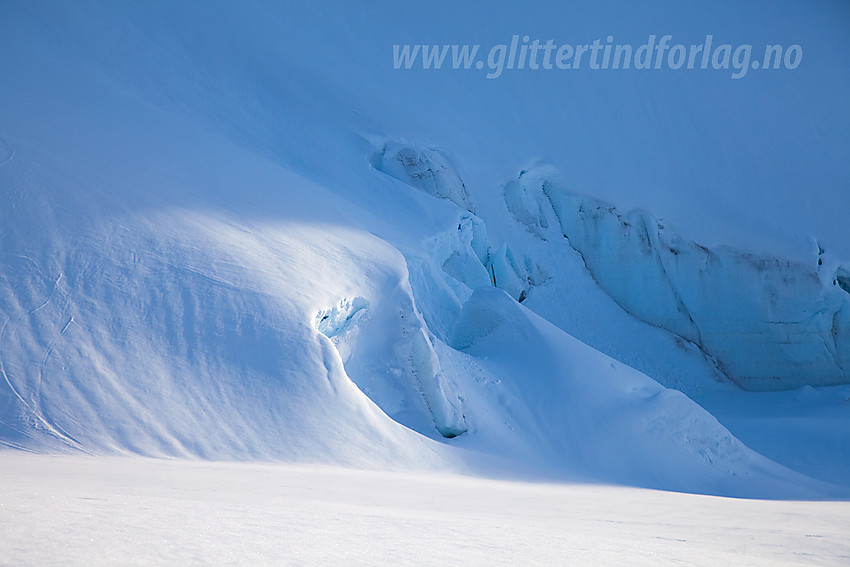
{"points": [[769, 323]]}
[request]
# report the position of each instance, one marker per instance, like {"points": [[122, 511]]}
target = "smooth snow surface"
{"points": [[107, 511], [234, 232]]}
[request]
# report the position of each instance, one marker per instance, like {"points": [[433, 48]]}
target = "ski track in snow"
{"points": [[34, 408]]}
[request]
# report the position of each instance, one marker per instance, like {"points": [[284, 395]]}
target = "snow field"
{"points": [[106, 511]]}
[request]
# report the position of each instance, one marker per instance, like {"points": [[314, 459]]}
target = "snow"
{"points": [[805, 429], [110, 511], [563, 393], [224, 239]]}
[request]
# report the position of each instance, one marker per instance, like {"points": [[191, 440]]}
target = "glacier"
{"points": [[237, 247], [769, 323]]}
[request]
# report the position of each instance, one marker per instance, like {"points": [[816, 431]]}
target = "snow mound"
{"points": [[186, 334], [599, 417]]}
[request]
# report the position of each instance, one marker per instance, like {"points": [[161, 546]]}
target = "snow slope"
{"points": [[224, 239]]}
